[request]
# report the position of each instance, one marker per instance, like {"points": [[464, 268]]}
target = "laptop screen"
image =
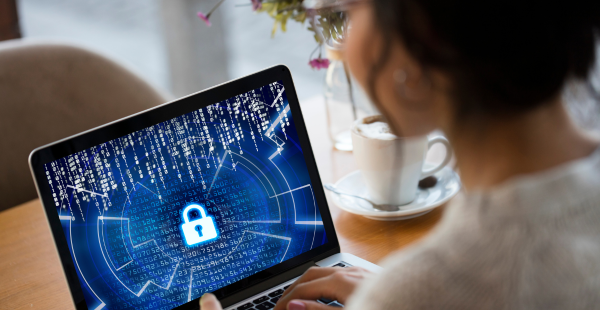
{"points": [[158, 217]]}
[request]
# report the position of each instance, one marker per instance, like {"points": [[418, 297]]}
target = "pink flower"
{"points": [[256, 4], [204, 18], [319, 63]]}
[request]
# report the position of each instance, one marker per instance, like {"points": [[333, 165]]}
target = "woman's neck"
{"points": [[528, 143]]}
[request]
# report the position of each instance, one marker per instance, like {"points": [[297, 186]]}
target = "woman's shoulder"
{"points": [[435, 273], [517, 271], [544, 196], [511, 267], [517, 246]]}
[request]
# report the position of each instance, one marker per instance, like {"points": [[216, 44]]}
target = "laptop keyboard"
{"points": [[269, 300]]}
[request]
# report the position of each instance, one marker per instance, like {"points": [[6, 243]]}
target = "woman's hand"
{"points": [[329, 282], [210, 302], [317, 282]]}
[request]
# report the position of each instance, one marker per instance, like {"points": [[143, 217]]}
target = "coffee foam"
{"points": [[376, 130]]}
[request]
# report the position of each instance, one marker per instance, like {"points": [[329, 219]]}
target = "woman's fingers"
{"points": [[311, 274], [307, 305], [210, 302], [338, 286], [333, 283], [312, 290]]}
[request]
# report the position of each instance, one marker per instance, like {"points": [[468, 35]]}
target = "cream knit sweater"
{"points": [[531, 243]]}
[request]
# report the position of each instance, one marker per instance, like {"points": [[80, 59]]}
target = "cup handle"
{"points": [[446, 143]]}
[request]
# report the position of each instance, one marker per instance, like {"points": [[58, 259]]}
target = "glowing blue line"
{"points": [[295, 189]]}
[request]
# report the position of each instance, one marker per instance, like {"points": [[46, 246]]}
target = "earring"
{"points": [[415, 95]]}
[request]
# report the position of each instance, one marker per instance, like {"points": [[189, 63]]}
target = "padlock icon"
{"points": [[198, 230]]}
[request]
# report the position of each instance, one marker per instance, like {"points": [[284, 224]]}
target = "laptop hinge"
{"points": [[267, 284]]}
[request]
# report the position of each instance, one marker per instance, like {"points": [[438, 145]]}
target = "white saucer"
{"points": [[447, 186]]}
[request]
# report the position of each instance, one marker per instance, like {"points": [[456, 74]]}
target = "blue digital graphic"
{"points": [[237, 169]]}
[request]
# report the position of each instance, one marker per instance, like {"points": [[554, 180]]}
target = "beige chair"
{"points": [[50, 91]]}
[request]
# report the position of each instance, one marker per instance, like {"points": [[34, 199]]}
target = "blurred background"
{"points": [[164, 42], [54, 81], [51, 91]]}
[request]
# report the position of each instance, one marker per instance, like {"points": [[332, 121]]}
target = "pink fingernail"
{"points": [[296, 305]]}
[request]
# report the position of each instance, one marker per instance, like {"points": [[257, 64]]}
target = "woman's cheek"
{"points": [[357, 44]]}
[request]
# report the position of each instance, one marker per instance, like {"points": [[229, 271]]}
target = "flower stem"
{"points": [[214, 8], [350, 92], [313, 52]]}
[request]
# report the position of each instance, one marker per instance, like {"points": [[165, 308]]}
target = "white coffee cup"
{"points": [[392, 167]]}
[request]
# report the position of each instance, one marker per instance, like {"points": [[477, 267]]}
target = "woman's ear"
{"points": [[413, 85]]}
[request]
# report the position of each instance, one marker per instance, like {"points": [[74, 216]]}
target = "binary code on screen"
{"points": [[121, 203]]}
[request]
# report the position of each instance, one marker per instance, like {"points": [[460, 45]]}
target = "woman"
{"points": [[525, 234]]}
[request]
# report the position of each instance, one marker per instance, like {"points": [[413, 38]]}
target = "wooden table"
{"points": [[31, 275]]}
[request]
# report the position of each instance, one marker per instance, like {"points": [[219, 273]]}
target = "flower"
{"points": [[256, 4], [204, 18], [319, 63], [325, 25]]}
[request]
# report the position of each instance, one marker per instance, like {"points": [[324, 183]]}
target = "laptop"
{"points": [[214, 192]]}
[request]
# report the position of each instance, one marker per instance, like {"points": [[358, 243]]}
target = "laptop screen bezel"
{"points": [[39, 157]]}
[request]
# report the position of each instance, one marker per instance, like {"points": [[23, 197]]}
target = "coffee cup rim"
{"points": [[381, 119]]}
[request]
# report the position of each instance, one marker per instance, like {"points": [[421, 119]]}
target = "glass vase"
{"points": [[345, 102]]}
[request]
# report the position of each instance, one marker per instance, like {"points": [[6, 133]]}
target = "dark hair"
{"points": [[503, 56]]}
